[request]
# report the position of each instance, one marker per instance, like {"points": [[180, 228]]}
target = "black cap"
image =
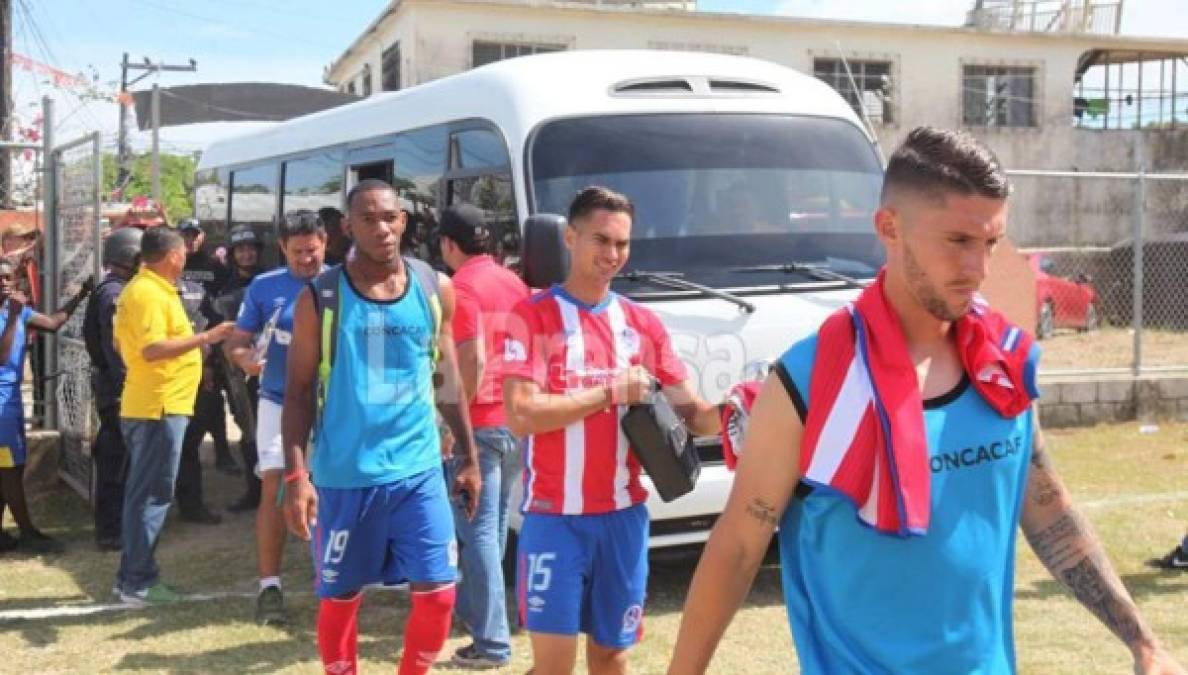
{"points": [[189, 224], [244, 235], [466, 225]]}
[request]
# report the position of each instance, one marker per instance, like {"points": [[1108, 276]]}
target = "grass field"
{"points": [[1133, 488], [1112, 347]]}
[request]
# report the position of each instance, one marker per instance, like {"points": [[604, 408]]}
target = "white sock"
{"points": [[265, 582]]}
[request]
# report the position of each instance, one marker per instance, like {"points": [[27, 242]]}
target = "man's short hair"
{"points": [[300, 223], [159, 241], [934, 162], [595, 197], [367, 186]]}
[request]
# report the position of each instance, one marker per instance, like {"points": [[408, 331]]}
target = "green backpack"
{"points": [[326, 302]]}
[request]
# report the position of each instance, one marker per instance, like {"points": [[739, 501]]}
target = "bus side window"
{"points": [[480, 174], [420, 165], [254, 203]]}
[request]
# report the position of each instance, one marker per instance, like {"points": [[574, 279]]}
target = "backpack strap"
{"points": [[324, 289], [430, 285]]}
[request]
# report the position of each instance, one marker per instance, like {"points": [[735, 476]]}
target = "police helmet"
{"points": [[244, 234], [122, 248]]}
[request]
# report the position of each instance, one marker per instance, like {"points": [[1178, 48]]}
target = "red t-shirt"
{"points": [[565, 345], [485, 293]]}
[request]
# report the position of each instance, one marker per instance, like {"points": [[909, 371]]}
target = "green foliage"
{"points": [[177, 181]]}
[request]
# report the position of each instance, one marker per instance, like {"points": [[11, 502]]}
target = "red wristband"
{"points": [[296, 474]]}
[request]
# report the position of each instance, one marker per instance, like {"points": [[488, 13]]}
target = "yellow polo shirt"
{"points": [[150, 310]]}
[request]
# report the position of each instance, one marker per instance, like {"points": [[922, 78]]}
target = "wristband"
{"points": [[295, 474]]}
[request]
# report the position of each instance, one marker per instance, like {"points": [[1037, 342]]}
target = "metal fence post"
{"points": [[49, 200], [1140, 217]]}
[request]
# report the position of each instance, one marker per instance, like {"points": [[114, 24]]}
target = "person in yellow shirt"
{"points": [[163, 357]]}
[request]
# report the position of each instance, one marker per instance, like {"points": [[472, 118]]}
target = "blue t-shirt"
{"points": [[270, 298], [378, 422], [863, 602], [12, 371]]}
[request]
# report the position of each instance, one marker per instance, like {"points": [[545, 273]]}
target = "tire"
{"points": [[1045, 325], [1092, 318]]}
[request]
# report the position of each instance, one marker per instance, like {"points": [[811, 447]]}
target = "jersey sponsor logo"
{"points": [[514, 351], [973, 456], [632, 618]]}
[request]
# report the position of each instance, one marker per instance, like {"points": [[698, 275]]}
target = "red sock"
{"points": [[426, 630], [338, 631]]}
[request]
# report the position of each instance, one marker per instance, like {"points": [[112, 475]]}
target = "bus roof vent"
{"points": [[656, 86], [692, 86], [741, 87]]}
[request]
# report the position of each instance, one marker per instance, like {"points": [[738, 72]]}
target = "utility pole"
{"points": [[6, 102], [122, 147]]}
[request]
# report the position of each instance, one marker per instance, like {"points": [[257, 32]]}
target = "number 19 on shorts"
{"points": [[336, 543], [540, 571]]}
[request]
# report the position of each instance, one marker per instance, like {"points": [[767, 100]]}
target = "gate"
{"points": [[74, 247]]}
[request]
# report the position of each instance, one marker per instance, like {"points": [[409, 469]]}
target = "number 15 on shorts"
{"points": [[540, 571]]}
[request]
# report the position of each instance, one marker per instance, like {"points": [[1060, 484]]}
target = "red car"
{"points": [[1062, 302]]}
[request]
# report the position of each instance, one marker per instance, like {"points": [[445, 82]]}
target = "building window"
{"points": [[366, 81], [998, 96], [870, 91], [390, 68], [483, 52]]}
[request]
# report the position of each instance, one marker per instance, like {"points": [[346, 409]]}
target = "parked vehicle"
{"points": [[1062, 302], [753, 181]]}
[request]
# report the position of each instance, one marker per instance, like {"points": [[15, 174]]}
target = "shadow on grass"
{"points": [[1141, 585]]}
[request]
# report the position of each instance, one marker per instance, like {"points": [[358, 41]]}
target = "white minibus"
{"points": [[754, 188]]}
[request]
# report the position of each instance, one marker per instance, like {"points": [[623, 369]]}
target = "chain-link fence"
{"points": [[1103, 302], [74, 256]]}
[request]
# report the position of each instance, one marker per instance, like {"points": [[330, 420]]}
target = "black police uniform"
{"points": [[107, 383], [189, 475], [227, 303], [210, 411]]}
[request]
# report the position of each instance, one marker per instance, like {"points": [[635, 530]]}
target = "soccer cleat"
{"points": [[270, 607], [155, 595], [1176, 560], [470, 657]]}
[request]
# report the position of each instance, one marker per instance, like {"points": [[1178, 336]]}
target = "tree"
{"points": [[177, 182]]}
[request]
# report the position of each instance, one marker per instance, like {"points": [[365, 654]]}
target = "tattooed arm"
{"points": [[1064, 543], [767, 475]]}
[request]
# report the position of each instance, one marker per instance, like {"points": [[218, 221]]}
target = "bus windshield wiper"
{"points": [[818, 272], [674, 281]]}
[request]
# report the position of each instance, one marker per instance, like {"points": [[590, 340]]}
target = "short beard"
{"points": [[923, 290]]}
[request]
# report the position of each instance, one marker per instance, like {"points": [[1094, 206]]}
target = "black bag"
{"points": [[663, 446]]}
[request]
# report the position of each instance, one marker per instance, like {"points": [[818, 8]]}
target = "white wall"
{"points": [[436, 38]]}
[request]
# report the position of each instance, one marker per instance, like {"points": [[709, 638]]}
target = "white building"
{"points": [[1047, 84]]}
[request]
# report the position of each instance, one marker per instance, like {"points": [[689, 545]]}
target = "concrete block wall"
{"points": [[1072, 402]]}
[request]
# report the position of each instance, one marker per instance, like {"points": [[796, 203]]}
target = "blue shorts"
{"points": [[388, 534], [12, 441], [584, 574]]}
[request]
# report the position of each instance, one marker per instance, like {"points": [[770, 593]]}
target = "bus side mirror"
{"points": [[545, 258]]}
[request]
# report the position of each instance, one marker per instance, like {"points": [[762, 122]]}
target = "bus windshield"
{"points": [[717, 192]]}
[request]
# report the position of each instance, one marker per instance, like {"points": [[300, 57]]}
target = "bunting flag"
{"points": [[59, 78]]}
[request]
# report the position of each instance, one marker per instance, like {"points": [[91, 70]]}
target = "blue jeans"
{"points": [[154, 451], [482, 600]]}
